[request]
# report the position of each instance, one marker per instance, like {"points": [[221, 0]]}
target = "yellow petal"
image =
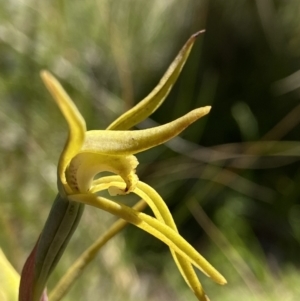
{"points": [[9, 280], [150, 103], [163, 214], [155, 228], [131, 142], [76, 123]]}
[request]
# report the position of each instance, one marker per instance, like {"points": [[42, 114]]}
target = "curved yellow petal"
{"points": [[76, 123], [155, 228], [151, 102], [132, 142], [162, 213], [9, 280]]}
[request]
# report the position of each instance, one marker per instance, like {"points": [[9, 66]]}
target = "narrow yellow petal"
{"points": [[155, 228], [161, 211], [151, 102], [144, 191], [76, 123], [163, 214], [131, 142]]}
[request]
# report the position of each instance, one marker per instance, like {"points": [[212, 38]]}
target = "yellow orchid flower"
{"points": [[87, 153], [9, 280]]}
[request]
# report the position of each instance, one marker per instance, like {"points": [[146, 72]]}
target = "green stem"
{"points": [[58, 230]]}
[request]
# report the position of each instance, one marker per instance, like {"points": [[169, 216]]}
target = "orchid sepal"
{"points": [[76, 124], [152, 102], [162, 213], [155, 228], [114, 150], [132, 142]]}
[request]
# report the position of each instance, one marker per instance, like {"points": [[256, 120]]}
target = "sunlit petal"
{"points": [[151, 102], [155, 228], [163, 214], [76, 123], [161, 211], [131, 142]]}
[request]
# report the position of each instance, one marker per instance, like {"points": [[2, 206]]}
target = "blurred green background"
{"points": [[231, 180]]}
